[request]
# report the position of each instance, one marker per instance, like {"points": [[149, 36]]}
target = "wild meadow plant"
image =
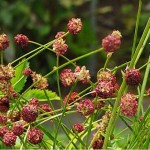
{"points": [[24, 111]]}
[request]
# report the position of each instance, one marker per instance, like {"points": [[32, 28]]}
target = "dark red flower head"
{"points": [[21, 40], [133, 77]]}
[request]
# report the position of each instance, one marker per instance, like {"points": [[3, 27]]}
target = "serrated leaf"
{"points": [[19, 80], [40, 95]]}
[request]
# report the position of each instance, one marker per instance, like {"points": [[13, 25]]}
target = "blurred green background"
{"points": [[40, 20]]}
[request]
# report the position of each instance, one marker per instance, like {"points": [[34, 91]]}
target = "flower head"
{"points": [[21, 40], [74, 25], [3, 130], [4, 41], [105, 89], [27, 72], [35, 136], [60, 46], [70, 98], [67, 77], [128, 104], [17, 129], [9, 139], [29, 113], [78, 127], [60, 34], [112, 42], [82, 74], [85, 107], [133, 77], [42, 82], [106, 76], [4, 104]]}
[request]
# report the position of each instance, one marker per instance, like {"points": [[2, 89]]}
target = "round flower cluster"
{"points": [[133, 77], [71, 98], [112, 42], [35, 136], [4, 41], [128, 104], [78, 127], [21, 40], [85, 107]]}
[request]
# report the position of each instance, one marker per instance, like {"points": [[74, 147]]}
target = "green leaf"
{"points": [[19, 80], [40, 95]]}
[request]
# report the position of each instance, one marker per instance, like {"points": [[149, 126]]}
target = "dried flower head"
{"points": [[60, 46], [82, 74], [78, 127], [4, 41], [85, 107], [29, 113], [35, 136], [133, 77], [112, 42], [128, 104], [67, 77], [74, 25], [21, 40], [42, 82], [105, 89]]}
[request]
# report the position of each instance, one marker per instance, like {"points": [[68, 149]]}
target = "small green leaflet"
{"points": [[40, 95], [19, 80]]}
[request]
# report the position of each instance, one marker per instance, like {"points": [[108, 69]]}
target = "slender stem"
{"points": [[63, 113], [140, 46], [26, 55], [143, 88], [25, 137], [136, 27], [1, 53], [57, 76], [107, 60]]}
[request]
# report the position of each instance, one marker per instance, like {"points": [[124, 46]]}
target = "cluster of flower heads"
{"points": [[29, 113], [74, 26], [106, 87]]}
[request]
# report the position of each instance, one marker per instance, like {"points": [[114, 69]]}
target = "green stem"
{"points": [[140, 46], [143, 88], [136, 27], [25, 137], [107, 60], [63, 113], [1, 53], [57, 76]]}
